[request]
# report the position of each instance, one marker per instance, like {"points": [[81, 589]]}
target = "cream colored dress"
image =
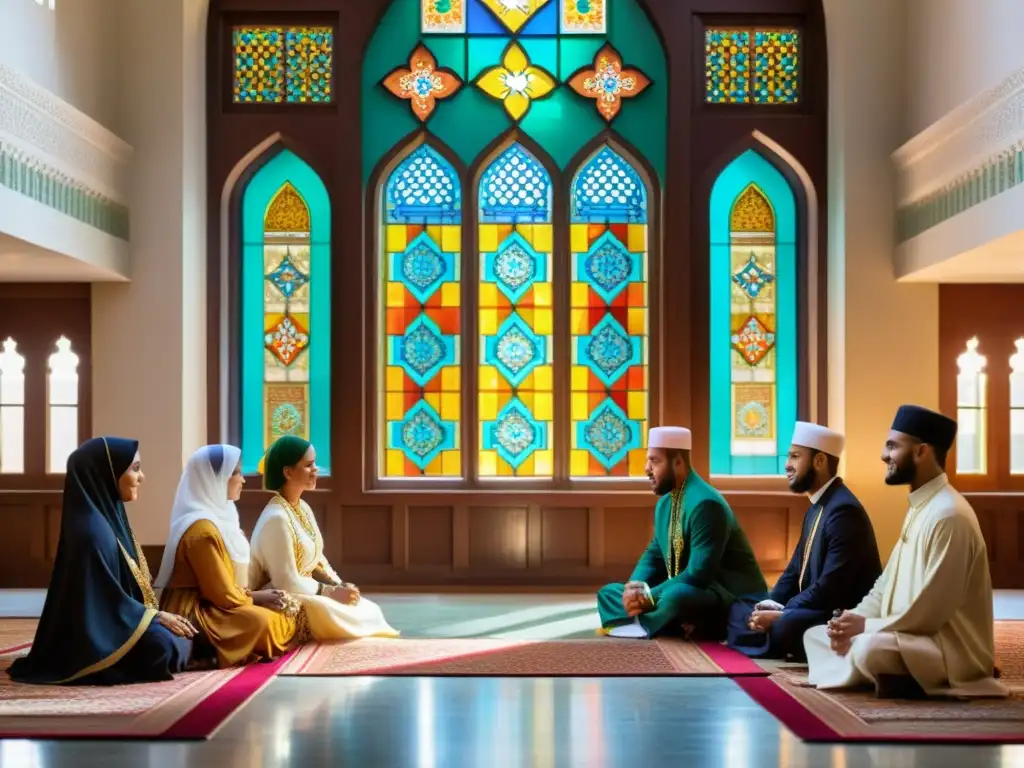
{"points": [[287, 549], [930, 612]]}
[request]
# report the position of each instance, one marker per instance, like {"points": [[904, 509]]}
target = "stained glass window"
{"points": [[971, 411], [752, 66], [753, 318], [285, 309], [422, 371], [62, 406], [516, 321], [584, 17], [12, 409], [276, 65], [609, 320], [1017, 409]]}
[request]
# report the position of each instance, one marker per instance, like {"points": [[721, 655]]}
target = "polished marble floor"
{"points": [[494, 723]]}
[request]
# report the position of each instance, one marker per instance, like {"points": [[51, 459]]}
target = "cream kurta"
{"points": [[930, 612], [285, 552]]}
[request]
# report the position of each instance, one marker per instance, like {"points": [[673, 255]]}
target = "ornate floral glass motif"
{"points": [[423, 83], [584, 17], [286, 316], [514, 13], [609, 318], [442, 16], [608, 82], [516, 82], [515, 382], [283, 64], [748, 65], [422, 223]]}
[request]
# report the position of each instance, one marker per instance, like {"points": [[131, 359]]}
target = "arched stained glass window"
{"points": [[516, 381], [609, 319], [421, 270], [753, 318], [286, 344]]}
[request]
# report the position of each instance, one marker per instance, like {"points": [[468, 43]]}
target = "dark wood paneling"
{"points": [[431, 542], [28, 546], [627, 530], [565, 536], [497, 538], [366, 536], [1001, 517]]}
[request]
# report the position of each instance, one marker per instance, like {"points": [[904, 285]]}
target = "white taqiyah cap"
{"points": [[670, 437], [819, 438]]}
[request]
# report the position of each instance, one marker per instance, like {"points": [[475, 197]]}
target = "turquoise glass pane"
{"points": [[608, 189], [286, 166], [515, 188], [752, 168]]}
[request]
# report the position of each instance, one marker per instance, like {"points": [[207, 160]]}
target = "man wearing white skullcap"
{"points": [[698, 562], [834, 564]]}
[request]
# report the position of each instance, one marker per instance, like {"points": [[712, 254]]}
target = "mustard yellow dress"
{"points": [[203, 589]]}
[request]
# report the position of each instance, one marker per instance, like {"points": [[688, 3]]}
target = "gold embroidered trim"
{"points": [[147, 618], [297, 516], [807, 549]]}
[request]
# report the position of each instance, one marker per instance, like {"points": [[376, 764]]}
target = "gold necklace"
{"points": [[807, 549], [675, 528], [298, 515]]}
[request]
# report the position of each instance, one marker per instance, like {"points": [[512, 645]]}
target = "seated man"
{"points": [[833, 566], [698, 561], [926, 627]]}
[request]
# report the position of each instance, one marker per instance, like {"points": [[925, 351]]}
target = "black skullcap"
{"points": [[927, 426]]}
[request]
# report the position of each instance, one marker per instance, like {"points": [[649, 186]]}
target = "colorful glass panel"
{"points": [[609, 319], [283, 64], [421, 372], [286, 293], [744, 66], [753, 318], [442, 16], [516, 316], [584, 17]]}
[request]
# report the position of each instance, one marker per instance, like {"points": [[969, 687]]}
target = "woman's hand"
{"points": [[345, 593], [179, 625], [269, 598]]}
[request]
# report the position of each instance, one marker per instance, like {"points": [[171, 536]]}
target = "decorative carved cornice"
{"points": [[59, 141]]}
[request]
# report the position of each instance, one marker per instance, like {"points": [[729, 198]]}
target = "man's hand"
{"points": [[769, 605], [761, 621], [179, 625], [842, 630], [635, 598], [269, 598]]}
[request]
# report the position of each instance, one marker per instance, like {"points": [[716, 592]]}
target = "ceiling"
{"points": [[23, 262]]}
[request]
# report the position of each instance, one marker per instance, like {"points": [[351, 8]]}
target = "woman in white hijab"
{"points": [[205, 565]]}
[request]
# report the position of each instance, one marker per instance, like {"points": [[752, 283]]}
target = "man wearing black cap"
{"points": [[926, 626]]}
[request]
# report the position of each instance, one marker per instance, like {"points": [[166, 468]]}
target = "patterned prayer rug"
{"points": [[859, 716], [192, 706], [519, 658]]}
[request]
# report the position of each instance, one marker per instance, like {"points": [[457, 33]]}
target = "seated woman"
{"points": [[288, 551], [100, 623], [206, 564]]}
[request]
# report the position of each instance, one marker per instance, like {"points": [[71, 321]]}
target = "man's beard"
{"points": [[802, 483], [903, 474], [665, 486]]}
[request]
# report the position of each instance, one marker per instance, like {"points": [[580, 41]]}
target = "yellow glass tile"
{"points": [[580, 410], [542, 239], [636, 405], [487, 238], [451, 463], [579, 240], [489, 322], [487, 464], [636, 322], [636, 234], [487, 378], [488, 405], [451, 238], [396, 295], [451, 379], [527, 468], [579, 463], [451, 295], [505, 397], [394, 406], [527, 315], [434, 233], [637, 462], [394, 463], [579, 322], [433, 399], [542, 295], [527, 399], [543, 406], [395, 238], [580, 379], [543, 321], [488, 295], [433, 468], [394, 379], [543, 463], [450, 406], [526, 231], [543, 378], [580, 295]]}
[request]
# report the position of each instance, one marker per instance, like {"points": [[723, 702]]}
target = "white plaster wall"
{"points": [[72, 51], [953, 50], [883, 335]]}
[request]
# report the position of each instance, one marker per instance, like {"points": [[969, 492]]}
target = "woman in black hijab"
{"points": [[100, 623]]}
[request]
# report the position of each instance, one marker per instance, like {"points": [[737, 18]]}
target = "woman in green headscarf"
{"points": [[287, 551]]}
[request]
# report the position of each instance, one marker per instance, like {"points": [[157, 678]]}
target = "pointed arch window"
{"points": [[971, 411], [754, 375], [285, 318], [62, 405], [12, 408]]}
